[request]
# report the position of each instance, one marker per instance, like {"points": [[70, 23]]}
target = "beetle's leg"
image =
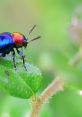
{"points": [[22, 56], [1, 54], [13, 57]]}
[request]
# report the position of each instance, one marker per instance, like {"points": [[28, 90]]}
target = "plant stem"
{"points": [[52, 89], [37, 102], [36, 105], [76, 58]]}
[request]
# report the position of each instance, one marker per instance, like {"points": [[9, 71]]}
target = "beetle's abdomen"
{"points": [[6, 43]]}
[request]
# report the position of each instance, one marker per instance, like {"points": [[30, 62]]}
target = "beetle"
{"points": [[9, 42]]}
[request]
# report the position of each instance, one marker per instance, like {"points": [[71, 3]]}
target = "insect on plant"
{"points": [[9, 42]]}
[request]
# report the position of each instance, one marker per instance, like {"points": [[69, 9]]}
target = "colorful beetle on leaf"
{"points": [[11, 41]]}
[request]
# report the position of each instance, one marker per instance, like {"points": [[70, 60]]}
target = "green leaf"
{"points": [[19, 83]]}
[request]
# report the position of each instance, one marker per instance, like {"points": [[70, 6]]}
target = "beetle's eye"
{"points": [[24, 42]]}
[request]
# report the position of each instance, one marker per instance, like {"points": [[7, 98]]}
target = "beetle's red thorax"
{"points": [[17, 38]]}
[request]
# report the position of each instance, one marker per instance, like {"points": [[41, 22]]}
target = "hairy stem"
{"points": [[52, 89], [76, 58], [37, 102], [36, 105]]}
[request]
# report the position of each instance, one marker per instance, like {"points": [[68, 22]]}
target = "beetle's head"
{"points": [[20, 40]]}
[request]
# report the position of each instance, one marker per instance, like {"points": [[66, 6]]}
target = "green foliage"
{"points": [[54, 18], [71, 74], [67, 104], [19, 83]]}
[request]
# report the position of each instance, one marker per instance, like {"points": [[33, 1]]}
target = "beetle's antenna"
{"points": [[32, 29], [34, 39]]}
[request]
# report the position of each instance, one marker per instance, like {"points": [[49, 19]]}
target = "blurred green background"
{"points": [[51, 53]]}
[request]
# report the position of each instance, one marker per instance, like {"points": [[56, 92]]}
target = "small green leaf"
{"points": [[19, 83]]}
